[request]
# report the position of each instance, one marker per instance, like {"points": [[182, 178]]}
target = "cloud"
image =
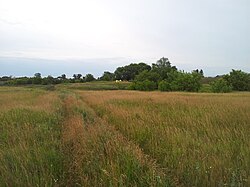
{"points": [[191, 33], [6, 21]]}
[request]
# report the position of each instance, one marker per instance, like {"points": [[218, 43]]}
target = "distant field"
{"points": [[98, 85], [74, 137]]}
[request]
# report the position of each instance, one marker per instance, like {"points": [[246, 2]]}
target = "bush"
{"points": [[205, 88], [190, 82], [89, 78], [221, 86], [164, 86], [148, 75], [239, 80], [144, 85]]}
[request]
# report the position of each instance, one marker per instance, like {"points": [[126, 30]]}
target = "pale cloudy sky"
{"points": [[92, 36]]}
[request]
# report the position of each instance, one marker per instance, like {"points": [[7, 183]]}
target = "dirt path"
{"points": [[98, 155]]}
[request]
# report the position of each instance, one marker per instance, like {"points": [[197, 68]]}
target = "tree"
{"points": [[201, 73], [37, 75], [221, 86], [164, 86], [164, 69], [6, 78], [239, 80], [148, 75], [130, 71], [89, 78], [63, 77], [107, 76], [162, 63], [145, 85], [187, 82], [37, 79], [77, 76]]}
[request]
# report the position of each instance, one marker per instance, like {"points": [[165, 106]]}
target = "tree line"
{"points": [[159, 76], [38, 79], [165, 77]]}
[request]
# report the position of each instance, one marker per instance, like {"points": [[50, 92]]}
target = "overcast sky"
{"points": [[92, 36]]}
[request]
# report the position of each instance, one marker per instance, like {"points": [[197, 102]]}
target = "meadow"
{"points": [[78, 137]]}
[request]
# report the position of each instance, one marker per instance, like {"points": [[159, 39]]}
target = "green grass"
{"points": [[205, 88], [29, 142], [97, 85]]}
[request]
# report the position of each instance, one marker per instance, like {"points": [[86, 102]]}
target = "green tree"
{"points": [[77, 76], [37, 75], [221, 86], [164, 86], [130, 71], [107, 76], [239, 80], [48, 80], [148, 75], [63, 77], [89, 78], [145, 85], [37, 79], [164, 69], [162, 63], [187, 82]]}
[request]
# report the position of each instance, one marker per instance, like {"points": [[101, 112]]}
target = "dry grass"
{"points": [[25, 98], [97, 155], [201, 139], [29, 138], [123, 138]]}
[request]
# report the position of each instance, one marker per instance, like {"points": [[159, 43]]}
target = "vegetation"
{"points": [[236, 80], [65, 136], [29, 138], [199, 139], [55, 139], [221, 85], [160, 76], [129, 72], [239, 80], [165, 77], [97, 85]]}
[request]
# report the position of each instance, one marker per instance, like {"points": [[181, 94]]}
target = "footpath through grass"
{"points": [[200, 139], [55, 139], [123, 138]]}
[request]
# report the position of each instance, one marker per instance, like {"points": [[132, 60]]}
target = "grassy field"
{"points": [[29, 137], [74, 137], [97, 85]]}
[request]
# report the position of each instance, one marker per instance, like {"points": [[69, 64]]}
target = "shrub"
{"points": [[239, 80], [221, 86], [148, 75], [164, 86], [188, 82], [145, 85]]}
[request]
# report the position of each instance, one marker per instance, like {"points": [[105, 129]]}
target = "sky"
{"points": [[92, 36]]}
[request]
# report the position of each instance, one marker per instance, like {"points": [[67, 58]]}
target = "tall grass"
{"points": [[29, 138], [55, 139], [123, 138], [200, 139], [97, 85], [97, 155]]}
